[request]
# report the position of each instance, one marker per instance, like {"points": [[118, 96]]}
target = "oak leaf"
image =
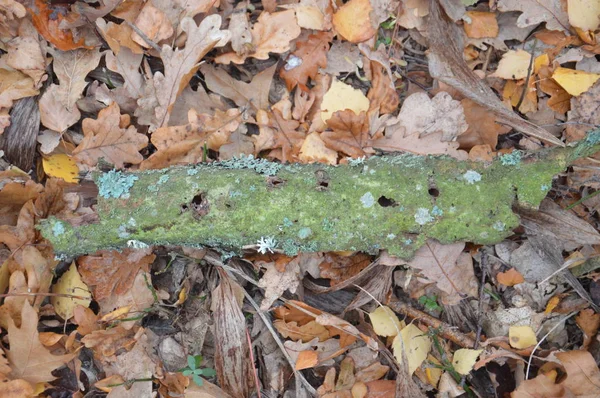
{"points": [[110, 137], [272, 33], [382, 94], [448, 268], [304, 62], [28, 358], [180, 66], [255, 93], [482, 24], [154, 23], [58, 108], [483, 129], [47, 21], [535, 12], [24, 232], [15, 85], [353, 21], [350, 133], [25, 54], [111, 272], [185, 144], [583, 375]]}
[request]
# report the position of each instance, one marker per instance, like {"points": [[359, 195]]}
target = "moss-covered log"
{"points": [[389, 202]]}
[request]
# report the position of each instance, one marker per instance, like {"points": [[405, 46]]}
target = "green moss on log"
{"points": [[390, 202]]}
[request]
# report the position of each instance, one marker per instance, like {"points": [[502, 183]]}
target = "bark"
{"points": [[390, 202]]}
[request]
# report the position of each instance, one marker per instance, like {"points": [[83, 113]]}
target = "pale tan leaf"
{"points": [[105, 138], [272, 33], [154, 23], [535, 12], [584, 14], [180, 65], [583, 375], [27, 357], [25, 54], [13, 86]]}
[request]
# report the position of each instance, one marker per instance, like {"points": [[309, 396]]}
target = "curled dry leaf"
{"points": [[231, 345], [180, 65], [47, 22], [110, 137], [350, 133], [272, 33]]}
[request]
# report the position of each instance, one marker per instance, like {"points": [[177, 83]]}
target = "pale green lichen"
{"points": [[261, 166], [115, 184], [367, 200], [511, 159], [304, 233], [471, 177], [422, 216], [58, 228]]}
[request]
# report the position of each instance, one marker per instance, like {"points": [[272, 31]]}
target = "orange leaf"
{"points": [[510, 278], [482, 129], [589, 322], [382, 94], [306, 359], [310, 54], [353, 21], [47, 18], [483, 24]]}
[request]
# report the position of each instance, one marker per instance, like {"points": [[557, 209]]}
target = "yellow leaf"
{"points": [[314, 150], [513, 65], [61, 166], [521, 337], [385, 322], [539, 61], [573, 81], [584, 14], [416, 345], [341, 96], [464, 359], [70, 283], [433, 373]]}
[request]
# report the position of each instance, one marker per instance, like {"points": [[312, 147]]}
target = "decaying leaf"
{"points": [[70, 283], [412, 343], [353, 21], [110, 137], [534, 12], [304, 62], [583, 375], [350, 133], [342, 96]]}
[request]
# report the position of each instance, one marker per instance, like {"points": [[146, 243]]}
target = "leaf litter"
{"points": [[150, 85]]}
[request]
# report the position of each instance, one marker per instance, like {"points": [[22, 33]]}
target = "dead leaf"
{"points": [[382, 94], [350, 133], [58, 108], [28, 358], [314, 150], [353, 21], [483, 129], [304, 62], [156, 104], [541, 387], [284, 133], [105, 343], [559, 99], [25, 54], [583, 375], [180, 145], [47, 21], [448, 267], [446, 64], [341, 96], [110, 137], [111, 272], [480, 24], [255, 93], [154, 23], [239, 143], [24, 232], [231, 344], [272, 33], [16, 389], [304, 333], [589, 322], [14, 85], [510, 278], [534, 13]]}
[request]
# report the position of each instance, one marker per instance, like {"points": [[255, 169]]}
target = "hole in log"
{"points": [[322, 180], [386, 202], [198, 205], [434, 192], [275, 182]]}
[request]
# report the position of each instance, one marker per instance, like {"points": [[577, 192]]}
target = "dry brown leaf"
{"points": [[314, 150], [534, 12], [589, 322], [86, 319], [382, 94], [272, 33], [28, 358], [111, 272], [338, 268], [483, 129], [16, 389], [239, 26], [305, 61], [542, 386], [25, 54], [15, 85], [24, 232], [232, 357], [180, 66], [442, 264], [285, 135], [118, 36], [446, 63], [58, 108], [350, 133], [17, 189], [255, 93], [154, 23], [179, 145], [304, 333], [105, 343], [353, 21], [110, 137], [239, 143], [510, 278], [583, 375]]}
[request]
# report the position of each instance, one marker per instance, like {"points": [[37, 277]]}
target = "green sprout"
{"points": [[430, 303], [193, 369]]}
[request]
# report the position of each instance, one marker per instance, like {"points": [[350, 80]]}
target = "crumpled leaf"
{"points": [[255, 93], [305, 61], [272, 33], [447, 266], [350, 133], [535, 12], [231, 344], [58, 108], [185, 144], [28, 358], [180, 65], [110, 137]]}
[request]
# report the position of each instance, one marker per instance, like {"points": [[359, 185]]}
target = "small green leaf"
{"points": [[191, 360], [198, 380], [187, 372], [209, 372]]}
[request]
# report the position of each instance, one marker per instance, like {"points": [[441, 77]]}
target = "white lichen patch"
{"points": [[58, 228], [471, 177], [422, 216], [499, 226], [267, 244], [391, 236], [367, 200], [545, 187], [136, 244]]}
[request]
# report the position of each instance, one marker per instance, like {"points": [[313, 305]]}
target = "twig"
{"points": [[483, 266], [143, 36], [254, 371], [528, 76]]}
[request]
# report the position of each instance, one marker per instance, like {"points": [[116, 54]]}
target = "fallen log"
{"points": [[384, 202]]}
